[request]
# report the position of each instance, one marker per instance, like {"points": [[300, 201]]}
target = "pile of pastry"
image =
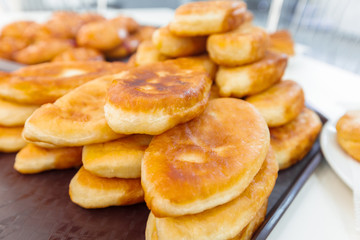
{"points": [[184, 125], [70, 36], [250, 63]]}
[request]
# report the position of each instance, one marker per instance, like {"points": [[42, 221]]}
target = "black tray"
{"points": [[38, 206]]}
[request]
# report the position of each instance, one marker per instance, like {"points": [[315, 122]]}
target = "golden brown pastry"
{"points": [[252, 78], [148, 53], [90, 191], [16, 29], [42, 51], [88, 17], [145, 32], [13, 114], [64, 24], [124, 22], [228, 220], [348, 133], [102, 35], [11, 139], [153, 98], [47, 82], [244, 45], [201, 157], [126, 48], [245, 234], [171, 45], [279, 104], [10, 45], [207, 17], [209, 66], [76, 119], [33, 159], [79, 54], [282, 42], [250, 229], [294, 140], [130, 43], [120, 158]]}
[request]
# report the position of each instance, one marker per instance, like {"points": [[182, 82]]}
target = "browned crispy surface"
{"points": [[47, 82], [212, 159], [168, 86], [294, 140]]}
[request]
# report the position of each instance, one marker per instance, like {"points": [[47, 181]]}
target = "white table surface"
{"points": [[323, 209]]}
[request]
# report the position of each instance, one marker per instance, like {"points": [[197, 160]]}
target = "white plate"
{"points": [[339, 160]]}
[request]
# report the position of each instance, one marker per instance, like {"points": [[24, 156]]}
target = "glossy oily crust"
{"points": [[207, 17], [13, 114], [173, 46], [228, 220], [279, 104], [11, 139], [212, 159], [245, 234], [153, 98], [120, 158], [348, 133], [148, 53], [42, 51], [294, 140], [90, 191], [76, 119], [44, 83], [33, 159], [79, 54], [252, 78], [244, 45]]}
